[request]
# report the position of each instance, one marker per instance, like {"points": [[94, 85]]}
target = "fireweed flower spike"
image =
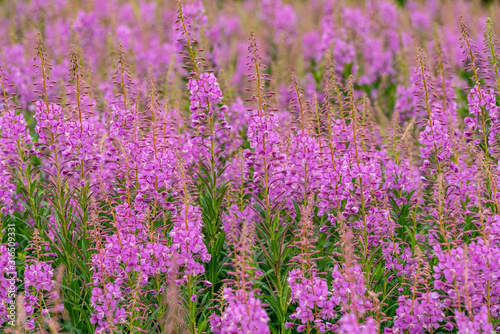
{"points": [[266, 159], [309, 290], [38, 283], [187, 243], [305, 152], [243, 311], [15, 142], [209, 133]]}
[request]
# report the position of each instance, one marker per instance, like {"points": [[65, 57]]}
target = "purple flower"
{"points": [[242, 314]]}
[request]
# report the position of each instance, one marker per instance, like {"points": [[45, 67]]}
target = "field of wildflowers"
{"points": [[257, 166]]}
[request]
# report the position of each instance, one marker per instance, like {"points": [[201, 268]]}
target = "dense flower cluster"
{"points": [[105, 303], [187, 240], [14, 141], [242, 314], [38, 281]]}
